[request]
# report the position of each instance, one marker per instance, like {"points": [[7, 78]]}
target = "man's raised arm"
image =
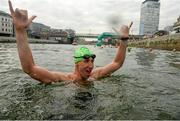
{"points": [[119, 58], [22, 22]]}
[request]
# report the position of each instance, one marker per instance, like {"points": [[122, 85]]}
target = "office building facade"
{"points": [[149, 19], [6, 24]]}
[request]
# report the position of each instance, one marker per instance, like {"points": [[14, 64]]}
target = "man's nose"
{"points": [[91, 63]]}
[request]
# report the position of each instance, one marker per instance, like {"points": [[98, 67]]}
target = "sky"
{"points": [[92, 16]]}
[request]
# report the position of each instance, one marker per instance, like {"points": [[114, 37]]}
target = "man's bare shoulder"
{"points": [[98, 73], [65, 76]]}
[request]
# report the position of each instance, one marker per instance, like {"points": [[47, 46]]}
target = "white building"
{"points": [[38, 30], [6, 24], [176, 26], [149, 19]]}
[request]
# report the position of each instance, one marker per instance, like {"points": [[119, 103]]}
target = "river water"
{"points": [[146, 87]]}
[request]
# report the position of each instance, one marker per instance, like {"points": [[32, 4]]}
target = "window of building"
{"points": [[2, 19], [6, 30], [2, 29]]}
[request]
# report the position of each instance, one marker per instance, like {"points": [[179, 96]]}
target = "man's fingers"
{"points": [[24, 12], [17, 12], [130, 25], [31, 19], [11, 8]]}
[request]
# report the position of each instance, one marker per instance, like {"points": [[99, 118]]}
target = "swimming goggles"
{"points": [[93, 56]]}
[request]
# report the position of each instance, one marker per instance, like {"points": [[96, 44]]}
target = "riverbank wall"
{"points": [[167, 42], [35, 41]]}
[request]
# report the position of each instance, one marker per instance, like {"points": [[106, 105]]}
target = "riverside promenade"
{"points": [[167, 42], [37, 41]]}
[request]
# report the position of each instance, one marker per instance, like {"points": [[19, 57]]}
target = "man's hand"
{"points": [[120, 55], [124, 30], [20, 18]]}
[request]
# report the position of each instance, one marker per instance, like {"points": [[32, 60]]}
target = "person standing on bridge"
{"points": [[83, 58]]}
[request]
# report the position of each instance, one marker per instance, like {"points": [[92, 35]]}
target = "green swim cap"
{"points": [[80, 52]]}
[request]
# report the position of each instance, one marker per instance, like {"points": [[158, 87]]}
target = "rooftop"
{"points": [[2, 13], [177, 23], [151, 0]]}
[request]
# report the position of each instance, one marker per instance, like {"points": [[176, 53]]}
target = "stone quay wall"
{"points": [[167, 42]]}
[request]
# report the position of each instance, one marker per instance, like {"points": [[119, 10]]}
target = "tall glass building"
{"points": [[149, 19]]}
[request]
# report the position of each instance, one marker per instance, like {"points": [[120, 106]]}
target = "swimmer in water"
{"points": [[129, 49], [83, 57], [151, 50], [174, 50]]}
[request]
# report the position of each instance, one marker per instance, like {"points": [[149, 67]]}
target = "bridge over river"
{"points": [[84, 35]]}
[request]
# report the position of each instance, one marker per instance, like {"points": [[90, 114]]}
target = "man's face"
{"points": [[85, 67]]}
